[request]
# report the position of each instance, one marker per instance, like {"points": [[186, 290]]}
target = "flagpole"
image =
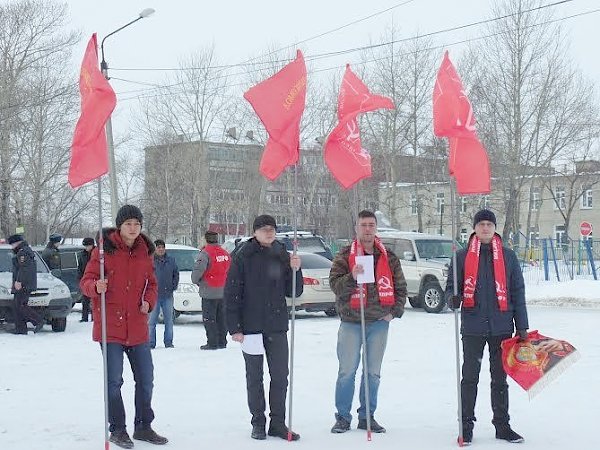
{"points": [[293, 321], [363, 334], [103, 315], [460, 439]]}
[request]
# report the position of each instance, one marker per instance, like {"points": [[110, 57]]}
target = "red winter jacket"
{"points": [[126, 270]]}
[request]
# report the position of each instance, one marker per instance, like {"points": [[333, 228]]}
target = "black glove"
{"points": [[522, 335], [455, 302]]}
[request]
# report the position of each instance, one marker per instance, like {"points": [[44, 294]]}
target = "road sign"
{"points": [[585, 228]]}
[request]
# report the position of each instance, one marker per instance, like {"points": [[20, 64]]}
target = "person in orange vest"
{"points": [[210, 273]]}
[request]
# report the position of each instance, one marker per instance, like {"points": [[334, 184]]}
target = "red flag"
{"points": [[279, 103], [89, 154], [537, 361], [453, 118], [345, 157]]}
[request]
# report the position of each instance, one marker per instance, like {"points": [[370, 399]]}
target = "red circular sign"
{"points": [[585, 228]]}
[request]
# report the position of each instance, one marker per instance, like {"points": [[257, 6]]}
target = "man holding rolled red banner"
{"points": [[491, 295]]}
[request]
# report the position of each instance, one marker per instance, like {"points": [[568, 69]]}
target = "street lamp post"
{"points": [[112, 173]]}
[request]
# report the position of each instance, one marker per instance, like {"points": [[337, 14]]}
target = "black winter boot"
{"points": [[281, 431], [121, 439], [149, 435], [341, 425], [506, 433], [258, 432], [375, 427]]}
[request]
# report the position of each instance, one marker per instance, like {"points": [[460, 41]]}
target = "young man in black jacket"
{"points": [[82, 260], [491, 291], [258, 281]]}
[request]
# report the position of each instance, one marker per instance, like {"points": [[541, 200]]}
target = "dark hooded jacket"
{"points": [[486, 319], [130, 275], [257, 283], [24, 268]]}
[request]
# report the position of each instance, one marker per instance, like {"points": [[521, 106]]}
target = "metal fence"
{"points": [[550, 260]]}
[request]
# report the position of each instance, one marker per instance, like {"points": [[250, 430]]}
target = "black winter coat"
{"points": [[486, 319], [24, 268], [257, 283]]}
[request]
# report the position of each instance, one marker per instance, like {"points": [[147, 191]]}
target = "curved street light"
{"points": [[112, 175]]}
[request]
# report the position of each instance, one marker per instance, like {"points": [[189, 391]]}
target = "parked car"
{"points": [[68, 272], [425, 259], [51, 299], [307, 243], [186, 299], [317, 295]]}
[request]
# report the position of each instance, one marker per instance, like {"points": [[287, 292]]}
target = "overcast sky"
{"points": [[241, 29]]}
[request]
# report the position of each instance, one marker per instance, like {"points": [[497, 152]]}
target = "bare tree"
{"points": [[529, 101]]}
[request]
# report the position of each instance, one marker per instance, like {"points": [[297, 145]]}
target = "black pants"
{"points": [[24, 313], [85, 308], [276, 350], [473, 353], [213, 316]]}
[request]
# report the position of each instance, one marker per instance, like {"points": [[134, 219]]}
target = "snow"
{"points": [[51, 386]]}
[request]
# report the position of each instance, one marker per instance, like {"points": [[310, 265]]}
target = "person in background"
{"points": [[210, 273], [24, 281], [83, 257], [167, 276], [51, 254]]}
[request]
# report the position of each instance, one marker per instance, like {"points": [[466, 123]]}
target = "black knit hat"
{"points": [[211, 237], [15, 238], [264, 221], [484, 214], [88, 241], [127, 212]]}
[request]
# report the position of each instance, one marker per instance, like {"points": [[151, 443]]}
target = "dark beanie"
{"points": [[484, 214], [88, 241], [264, 221], [127, 212], [211, 237], [15, 238], [55, 237]]}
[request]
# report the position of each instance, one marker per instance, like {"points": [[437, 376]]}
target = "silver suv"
{"points": [[425, 259]]}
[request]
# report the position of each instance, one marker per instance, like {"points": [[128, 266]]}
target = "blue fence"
{"points": [[550, 260]]}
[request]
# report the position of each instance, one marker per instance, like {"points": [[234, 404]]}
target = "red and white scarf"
{"points": [[472, 267], [383, 275]]}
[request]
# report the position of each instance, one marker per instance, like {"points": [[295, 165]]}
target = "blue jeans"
{"points": [[349, 356], [166, 303], [140, 360]]}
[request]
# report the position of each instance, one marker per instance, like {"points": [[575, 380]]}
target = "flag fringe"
{"points": [[553, 374]]}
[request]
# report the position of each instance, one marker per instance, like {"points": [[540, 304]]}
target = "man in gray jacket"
{"points": [[210, 273]]}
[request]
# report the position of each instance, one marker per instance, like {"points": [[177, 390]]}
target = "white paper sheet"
{"points": [[368, 275], [253, 344]]}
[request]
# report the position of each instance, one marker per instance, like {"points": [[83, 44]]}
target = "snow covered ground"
{"points": [[51, 386]]}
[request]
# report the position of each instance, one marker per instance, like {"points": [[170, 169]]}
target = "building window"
{"points": [[534, 236], [439, 201], [463, 205], [559, 197], [536, 199], [464, 235], [485, 202], [586, 198], [413, 205], [559, 234]]}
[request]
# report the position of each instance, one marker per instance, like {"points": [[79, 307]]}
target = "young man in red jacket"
{"points": [[131, 292]]}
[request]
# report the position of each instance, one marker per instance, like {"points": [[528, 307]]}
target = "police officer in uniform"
{"points": [[51, 253], [24, 282]]}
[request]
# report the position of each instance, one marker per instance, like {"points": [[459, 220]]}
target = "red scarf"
{"points": [[472, 267], [383, 275]]}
